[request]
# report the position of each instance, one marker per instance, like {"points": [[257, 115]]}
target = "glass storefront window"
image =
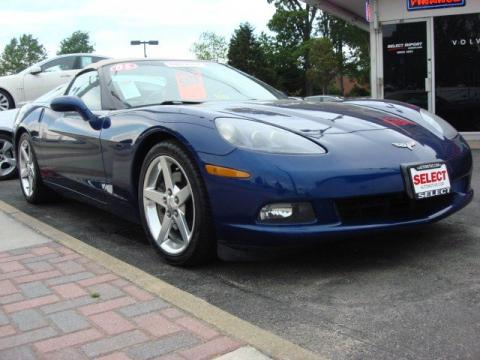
{"points": [[457, 70], [405, 62]]}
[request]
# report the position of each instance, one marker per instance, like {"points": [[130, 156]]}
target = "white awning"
{"points": [[352, 11]]}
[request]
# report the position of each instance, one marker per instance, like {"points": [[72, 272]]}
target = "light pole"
{"points": [[145, 43]]}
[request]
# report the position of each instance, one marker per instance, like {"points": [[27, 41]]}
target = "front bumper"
{"points": [[323, 181], [257, 235]]}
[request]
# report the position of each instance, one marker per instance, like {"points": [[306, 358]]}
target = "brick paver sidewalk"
{"points": [[57, 304]]}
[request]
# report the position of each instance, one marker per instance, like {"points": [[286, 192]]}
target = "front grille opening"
{"points": [[388, 208]]}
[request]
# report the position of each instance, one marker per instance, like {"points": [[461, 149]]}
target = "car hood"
{"points": [[353, 125], [321, 120]]}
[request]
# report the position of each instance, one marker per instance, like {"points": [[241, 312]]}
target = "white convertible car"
{"points": [[38, 79]]}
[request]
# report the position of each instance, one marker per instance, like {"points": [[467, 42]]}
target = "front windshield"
{"points": [[145, 83]]}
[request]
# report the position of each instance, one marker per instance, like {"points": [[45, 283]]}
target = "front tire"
{"points": [[8, 164], [34, 191], [174, 206]]}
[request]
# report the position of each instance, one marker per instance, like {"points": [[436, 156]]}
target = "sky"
{"points": [[112, 24]]}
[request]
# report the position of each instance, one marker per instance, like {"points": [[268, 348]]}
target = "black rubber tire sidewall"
{"points": [[202, 247], [14, 173]]}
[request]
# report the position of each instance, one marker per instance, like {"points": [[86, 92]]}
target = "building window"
{"points": [[405, 62], [457, 70]]}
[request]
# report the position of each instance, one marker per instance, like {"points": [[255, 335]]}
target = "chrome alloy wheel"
{"points": [[169, 205], [8, 163], [4, 102], [26, 167]]}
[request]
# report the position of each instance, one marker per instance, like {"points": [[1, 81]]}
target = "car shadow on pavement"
{"points": [[357, 252]]}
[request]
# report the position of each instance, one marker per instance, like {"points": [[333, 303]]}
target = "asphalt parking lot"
{"points": [[406, 295]]}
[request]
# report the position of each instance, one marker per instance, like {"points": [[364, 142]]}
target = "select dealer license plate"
{"points": [[429, 180]]}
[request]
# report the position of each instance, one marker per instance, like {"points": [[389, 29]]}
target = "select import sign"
{"points": [[433, 4]]}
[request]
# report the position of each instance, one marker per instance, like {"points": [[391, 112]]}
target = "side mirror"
{"points": [[34, 70], [72, 103]]}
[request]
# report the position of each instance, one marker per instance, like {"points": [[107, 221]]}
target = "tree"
{"points": [[210, 46], [293, 23], [78, 42], [21, 53], [323, 62], [245, 52], [359, 64], [351, 46], [271, 61]]}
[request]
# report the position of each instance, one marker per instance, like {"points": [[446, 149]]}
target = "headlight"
{"points": [[262, 137], [437, 125]]}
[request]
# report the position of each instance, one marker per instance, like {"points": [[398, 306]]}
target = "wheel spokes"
{"points": [[183, 195], [166, 173], [30, 182], [7, 164], [26, 168], [182, 225], [24, 173], [156, 196], [3, 102], [169, 204], [24, 154], [11, 161], [7, 146], [165, 230]]}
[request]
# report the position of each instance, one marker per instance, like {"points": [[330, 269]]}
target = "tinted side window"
{"points": [[87, 87], [61, 64], [85, 61]]}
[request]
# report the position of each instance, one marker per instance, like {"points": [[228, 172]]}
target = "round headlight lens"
{"points": [[258, 136]]}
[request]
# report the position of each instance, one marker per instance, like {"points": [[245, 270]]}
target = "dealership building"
{"points": [[424, 52]]}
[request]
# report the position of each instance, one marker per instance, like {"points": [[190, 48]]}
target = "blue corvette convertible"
{"points": [[204, 155]]}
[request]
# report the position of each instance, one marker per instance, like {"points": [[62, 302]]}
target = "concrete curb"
{"points": [[267, 342]]}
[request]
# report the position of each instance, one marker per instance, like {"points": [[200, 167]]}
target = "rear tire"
{"points": [[174, 206], [6, 101], [33, 188]]}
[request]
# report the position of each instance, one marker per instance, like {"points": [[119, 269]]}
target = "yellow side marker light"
{"points": [[226, 172]]}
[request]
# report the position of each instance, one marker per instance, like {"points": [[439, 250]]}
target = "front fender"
{"points": [[130, 135], [27, 120]]}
